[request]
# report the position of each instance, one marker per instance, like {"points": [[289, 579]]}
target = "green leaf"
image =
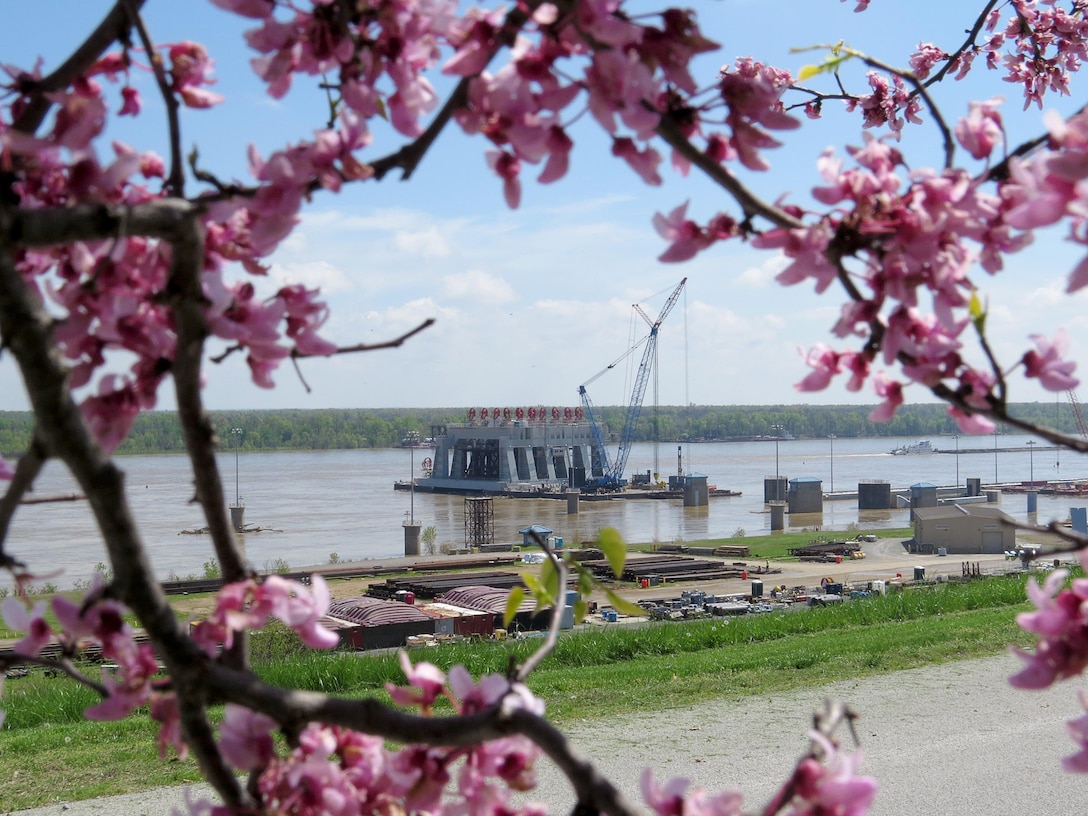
{"points": [[624, 606], [977, 312], [549, 578], [537, 590], [828, 66], [517, 595], [611, 544], [581, 609]]}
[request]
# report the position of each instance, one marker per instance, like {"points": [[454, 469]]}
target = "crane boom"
{"points": [[613, 469], [1077, 414]]}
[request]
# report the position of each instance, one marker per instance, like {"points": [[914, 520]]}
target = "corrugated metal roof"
{"points": [[375, 612], [956, 510], [447, 610], [486, 599]]}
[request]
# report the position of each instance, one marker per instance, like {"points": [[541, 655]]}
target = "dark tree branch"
{"points": [[396, 342], [175, 182], [295, 708], [972, 35], [26, 471], [112, 29], [27, 330], [752, 205]]}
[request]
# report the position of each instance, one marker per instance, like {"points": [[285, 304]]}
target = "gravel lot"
{"points": [[950, 739]]}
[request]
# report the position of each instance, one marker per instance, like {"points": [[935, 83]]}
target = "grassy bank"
{"points": [[49, 753]]}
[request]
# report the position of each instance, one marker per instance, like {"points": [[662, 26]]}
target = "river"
{"points": [[317, 503]]}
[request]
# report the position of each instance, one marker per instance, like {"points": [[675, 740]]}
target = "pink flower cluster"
{"points": [[827, 787], [1061, 622], [99, 621], [1060, 619], [109, 293], [1038, 43], [889, 104], [901, 237], [333, 771], [249, 604]]}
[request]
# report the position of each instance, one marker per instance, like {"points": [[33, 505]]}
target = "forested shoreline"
{"points": [[350, 428]]}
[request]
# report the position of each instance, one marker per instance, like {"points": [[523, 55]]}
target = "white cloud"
{"points": [[427, 243], [477, 286], [764, 274], [312, 274]]}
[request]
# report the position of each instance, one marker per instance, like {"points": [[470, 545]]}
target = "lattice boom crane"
{"points": [[613, 469]]}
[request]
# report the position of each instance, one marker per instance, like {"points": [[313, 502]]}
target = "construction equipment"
{"points": [[612, 469], [1082, 428]]}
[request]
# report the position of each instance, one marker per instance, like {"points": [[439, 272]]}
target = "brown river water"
{"points": [[314, 504]]}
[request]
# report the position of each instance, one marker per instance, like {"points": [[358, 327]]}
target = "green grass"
{"points": [[591, 675]]}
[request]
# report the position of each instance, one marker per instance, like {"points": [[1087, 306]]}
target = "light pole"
{"points": [[995, 456], [957, 438], [777, 429], [832, 438], [1031, 461], [237, 491]]}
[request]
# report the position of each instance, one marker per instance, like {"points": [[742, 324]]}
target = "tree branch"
{"points": [[175, 182], [26, 471], [112, 29], [752, 205]]}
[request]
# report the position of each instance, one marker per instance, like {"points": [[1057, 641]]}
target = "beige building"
{"points": [[969, 529]]}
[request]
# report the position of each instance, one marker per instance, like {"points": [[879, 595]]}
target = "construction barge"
{"points": [[530, 453]]}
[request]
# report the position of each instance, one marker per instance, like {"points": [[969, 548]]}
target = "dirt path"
{"points": [[942, 740]]}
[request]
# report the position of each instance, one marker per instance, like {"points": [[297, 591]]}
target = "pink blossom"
{"points": [[831, 786], [427, 683], [892, 394], [298, 607], [1046, 363], [752, 92], [825, 364], [245, 737], [685, 236], [559, 145], [32, 621], [164, 711], [131, 104], [1059, 619], [257, 9], [191, 70], [674, 799], [971, 423], [644, 162], [981, 129], [1078, 732], [6, 471], [476, 45], [806, 247], [889, 104], [620, 83], [473, 697], [127, 688], [923, 60], [507, 167]]}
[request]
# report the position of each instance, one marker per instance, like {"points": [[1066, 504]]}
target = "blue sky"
{"points": [[531, 303]]}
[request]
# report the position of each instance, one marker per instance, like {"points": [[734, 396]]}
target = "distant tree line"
{"points": [[350, 428]]}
